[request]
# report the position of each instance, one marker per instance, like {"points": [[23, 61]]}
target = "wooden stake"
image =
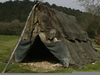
{"points": [[20, 38]]}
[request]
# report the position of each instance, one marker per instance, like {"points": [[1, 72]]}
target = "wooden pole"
{"points": [[20, 38]]}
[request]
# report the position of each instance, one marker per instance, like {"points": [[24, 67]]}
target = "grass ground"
{"points": [[7, 44]]}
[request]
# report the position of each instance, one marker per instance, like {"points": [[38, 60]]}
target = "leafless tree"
{"points": [[91, 6], [93, 21]]}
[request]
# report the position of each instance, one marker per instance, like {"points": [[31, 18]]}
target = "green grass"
{"points": [[99, 51], [93, 41], [7, 43], [97, 46], [88, 68], [14, 68]]}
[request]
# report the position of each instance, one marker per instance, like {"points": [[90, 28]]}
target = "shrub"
{"points": [[11, 28]]}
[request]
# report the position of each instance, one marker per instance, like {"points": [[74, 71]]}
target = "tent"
{"points": [[59, 34]]}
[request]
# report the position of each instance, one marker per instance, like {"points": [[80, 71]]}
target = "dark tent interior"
{"points": [[38, 53]]}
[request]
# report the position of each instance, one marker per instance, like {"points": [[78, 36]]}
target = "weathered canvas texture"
{"points": [[60, 34]]}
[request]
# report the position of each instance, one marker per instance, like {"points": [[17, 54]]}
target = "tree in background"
{"points": [[92, 7], [26, 0], [16, 0], [14, 11]]}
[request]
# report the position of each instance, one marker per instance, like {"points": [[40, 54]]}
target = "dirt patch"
{"points": [[43, 66]]}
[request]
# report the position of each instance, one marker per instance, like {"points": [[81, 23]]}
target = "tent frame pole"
{"points": [[20, 38]]}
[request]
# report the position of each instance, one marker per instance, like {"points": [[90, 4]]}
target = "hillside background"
{"points": [[13, 16]]}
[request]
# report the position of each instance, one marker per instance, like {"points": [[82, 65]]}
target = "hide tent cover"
{"points": [[56, 48], [60, 34]]}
